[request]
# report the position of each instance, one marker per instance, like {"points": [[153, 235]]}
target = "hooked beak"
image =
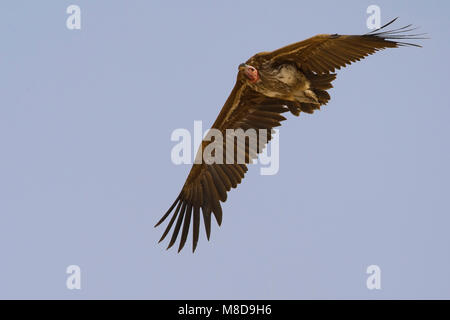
{"points": [[242, 66]]}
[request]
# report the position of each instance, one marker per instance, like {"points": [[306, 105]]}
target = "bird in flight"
{"points": [[293, 78]]}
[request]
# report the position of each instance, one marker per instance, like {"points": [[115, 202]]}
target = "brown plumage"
{"points": [[293, 78]]}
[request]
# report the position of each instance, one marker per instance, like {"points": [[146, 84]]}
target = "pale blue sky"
{"points": [[85, 170]]}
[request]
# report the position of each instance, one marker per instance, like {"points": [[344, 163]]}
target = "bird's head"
{"points": [[250, 72]]}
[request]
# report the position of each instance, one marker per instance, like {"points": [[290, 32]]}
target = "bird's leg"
{"points": [[310, 94], [307, 96]]}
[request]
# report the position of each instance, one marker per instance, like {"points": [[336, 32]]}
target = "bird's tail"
{"points": [[319, 84]]}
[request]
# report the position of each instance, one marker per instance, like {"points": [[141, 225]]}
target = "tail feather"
{"points": [[321, 81]]}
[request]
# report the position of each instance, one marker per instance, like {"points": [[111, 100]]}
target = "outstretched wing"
{"points": [[207, 184], [324, 53]]}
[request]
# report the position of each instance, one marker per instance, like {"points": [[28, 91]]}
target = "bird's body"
{"points": [[294, 78], [285, 82]]}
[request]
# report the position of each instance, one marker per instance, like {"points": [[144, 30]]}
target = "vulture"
{"points": [[294, 79]]}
